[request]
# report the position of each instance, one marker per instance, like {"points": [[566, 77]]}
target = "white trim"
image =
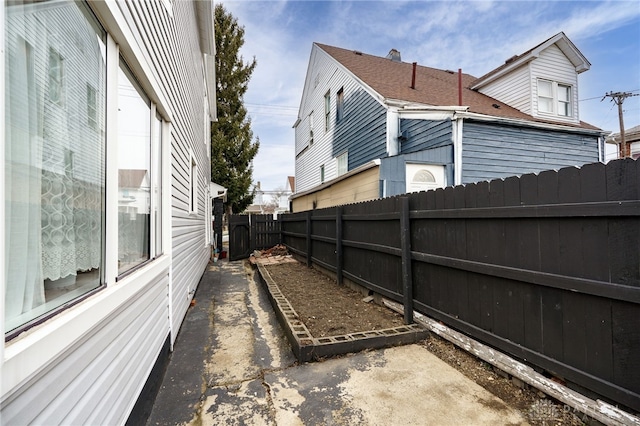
{"points": [[456, 135], [167, 245], [111, 158], [32, 352], [393, 129], [2, 193], [528, 123], [137, 59], [577, 59]]}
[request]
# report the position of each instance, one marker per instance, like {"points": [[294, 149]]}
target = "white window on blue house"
{"points": [[343, 163], [564, 100], [311, 128], [340, 105], [554, 98], [327, 110]]}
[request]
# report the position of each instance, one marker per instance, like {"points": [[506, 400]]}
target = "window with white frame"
{"points": [[322, 173], [157, 182], [134, 171], [311, 128], [92, 106], [340, 105], [55, 165], [554, 98], [343, 163], [56, 73], [564, 100], [327, 110]]}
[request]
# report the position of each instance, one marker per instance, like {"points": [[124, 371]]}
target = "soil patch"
{"points": [[326, 308]]}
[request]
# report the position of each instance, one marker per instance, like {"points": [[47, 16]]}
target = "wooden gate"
{"points": [[239, 237], [252, 232]]}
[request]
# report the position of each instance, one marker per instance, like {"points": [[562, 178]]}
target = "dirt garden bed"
{"points": [[327, 309]]}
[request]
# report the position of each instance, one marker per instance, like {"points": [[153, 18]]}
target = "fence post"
{"points": [[309, 238], [405, 242], [252, 233], [339, 245]]}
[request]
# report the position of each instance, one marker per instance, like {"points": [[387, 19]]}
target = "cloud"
{"points": [[476, 36]]}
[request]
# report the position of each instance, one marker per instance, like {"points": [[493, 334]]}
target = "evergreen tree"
{"points": [[232, 149]]}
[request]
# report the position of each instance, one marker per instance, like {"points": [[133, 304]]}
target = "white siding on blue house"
{"points": [[514, 89], [553, 65], [327, 75]]}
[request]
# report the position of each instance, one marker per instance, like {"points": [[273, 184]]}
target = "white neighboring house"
{"points": [[105, 165], [274, 201]]}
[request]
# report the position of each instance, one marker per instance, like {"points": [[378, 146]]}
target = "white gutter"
{"points": [[527, 123]]}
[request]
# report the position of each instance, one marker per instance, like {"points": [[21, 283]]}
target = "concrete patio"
{"points": [[232, 365]]}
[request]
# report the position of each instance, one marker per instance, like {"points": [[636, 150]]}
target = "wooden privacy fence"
{"points": [[252, 232], [543, 267]]}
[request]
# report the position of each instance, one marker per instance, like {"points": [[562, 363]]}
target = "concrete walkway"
{"points": [[231, 365]]}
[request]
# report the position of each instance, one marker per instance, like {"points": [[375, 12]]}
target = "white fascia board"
{"points": [[506, 70], [3, 282], [210, 82], [527, 123], [204, 16], [433, 113], [137, 59], [307, 82]]}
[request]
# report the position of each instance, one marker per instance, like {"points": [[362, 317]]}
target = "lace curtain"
{"points": [[54, 162]]}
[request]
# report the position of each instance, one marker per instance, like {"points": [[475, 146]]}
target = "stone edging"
{"points": [[308, 348]]}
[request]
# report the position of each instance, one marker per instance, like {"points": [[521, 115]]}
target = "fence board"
{"points": [[544, 267]]}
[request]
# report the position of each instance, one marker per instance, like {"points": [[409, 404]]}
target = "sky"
{"points": [[476, 36]]}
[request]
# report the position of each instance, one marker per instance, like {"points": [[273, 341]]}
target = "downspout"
{"points": [[457, 149], [600, 149], [393, 127]]}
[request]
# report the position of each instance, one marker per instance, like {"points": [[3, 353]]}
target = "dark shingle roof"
{"points": [[433, 86]]}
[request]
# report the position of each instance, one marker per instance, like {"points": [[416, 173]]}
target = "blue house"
{"points": [[371, 127]]}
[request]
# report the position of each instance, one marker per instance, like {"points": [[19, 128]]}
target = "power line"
{"points": [[618, 98], [600, 97], [272, 106]]}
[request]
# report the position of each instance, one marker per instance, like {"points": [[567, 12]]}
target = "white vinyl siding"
{"points": [[324, 75], [553, 66], [179, 56], [89, 364], [514, 89], [519, 88]]}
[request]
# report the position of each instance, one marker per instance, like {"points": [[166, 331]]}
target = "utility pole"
{"points": [[618, 98]]}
